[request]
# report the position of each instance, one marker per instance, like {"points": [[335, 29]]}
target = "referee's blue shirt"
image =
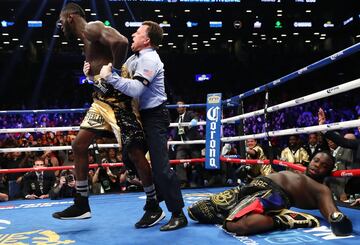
{"points": [[147, 79]]}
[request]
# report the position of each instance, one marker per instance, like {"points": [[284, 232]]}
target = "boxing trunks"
{"points": [[115, 112], [262, 195]]}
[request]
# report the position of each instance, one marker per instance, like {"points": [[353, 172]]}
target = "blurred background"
{"points": [[227, 46]]}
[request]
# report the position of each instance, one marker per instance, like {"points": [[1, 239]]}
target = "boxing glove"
{"points": [[340, 224]]}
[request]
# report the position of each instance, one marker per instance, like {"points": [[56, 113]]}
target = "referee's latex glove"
{"points": [[193, 122]]}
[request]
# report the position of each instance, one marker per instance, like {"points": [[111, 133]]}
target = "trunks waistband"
{"points": [[264, 183]]}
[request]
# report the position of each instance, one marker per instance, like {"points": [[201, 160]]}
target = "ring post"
{"points": [[213, 125], [240, 129]]}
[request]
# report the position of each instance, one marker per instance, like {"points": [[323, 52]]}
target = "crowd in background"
{"points": [[118, 179]]}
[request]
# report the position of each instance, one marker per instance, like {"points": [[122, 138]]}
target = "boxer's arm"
{"points": [[97, 31], [324, 199], [340, 224]]}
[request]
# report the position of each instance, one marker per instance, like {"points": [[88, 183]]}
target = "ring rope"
{"points": [[315, 96], [81, 110], [68, 147], [51, 148], [74, 110], [306, 130], [266, 127], [338, 173], [301, 100], [312, 67], [94, 165], [71, 128], [39, 130]]}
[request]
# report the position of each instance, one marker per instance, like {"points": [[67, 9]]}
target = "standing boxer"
{"points": [[111, 111]]}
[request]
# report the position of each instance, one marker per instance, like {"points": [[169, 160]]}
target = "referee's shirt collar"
{"points": [[145, 50]]}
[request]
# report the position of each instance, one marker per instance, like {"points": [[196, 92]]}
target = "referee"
{"points": [[145, 81]]}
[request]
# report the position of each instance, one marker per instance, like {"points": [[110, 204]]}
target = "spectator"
{"points": [[14, 180], [349, 142], [294, 152], [51, 160], [341, 141], [109, 182], [65, 186], [343, 159], [313, 146], [247, 172], [186, 172], [111, 155], [255, 151], [3, 196], [69, 159], [38, 184]]}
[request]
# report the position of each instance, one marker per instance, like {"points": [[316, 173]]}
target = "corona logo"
{"points": [[213, 113], [297, 101], [213, 116], [276, 81], [331, 90], [302, 70], [214, 99], [335, 56], [346, 174]]}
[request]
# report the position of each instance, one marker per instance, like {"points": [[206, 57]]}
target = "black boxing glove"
{"points": [[243, 173], [204, 211], [102, 86], [340, 224], [216, 208]]}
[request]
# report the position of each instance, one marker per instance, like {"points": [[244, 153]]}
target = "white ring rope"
{"points": [[187, 142], [68, 147], [311, 97], [39, 130], [51, 148], [321, 94], [306, 130], [318, 95], [186, 124], [72, 128]]}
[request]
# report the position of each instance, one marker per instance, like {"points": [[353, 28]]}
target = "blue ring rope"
{"points": [[312, 67]]}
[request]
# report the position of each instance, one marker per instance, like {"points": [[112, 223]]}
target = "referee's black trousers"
{"points": [[156, 122]]}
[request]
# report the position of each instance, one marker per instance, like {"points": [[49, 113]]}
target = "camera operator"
{"points": [[3, 188], [3, 196], [65, 187], [109, 182]]}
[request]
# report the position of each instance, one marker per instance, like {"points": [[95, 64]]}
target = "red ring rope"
{"points": [[338, 173]]}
